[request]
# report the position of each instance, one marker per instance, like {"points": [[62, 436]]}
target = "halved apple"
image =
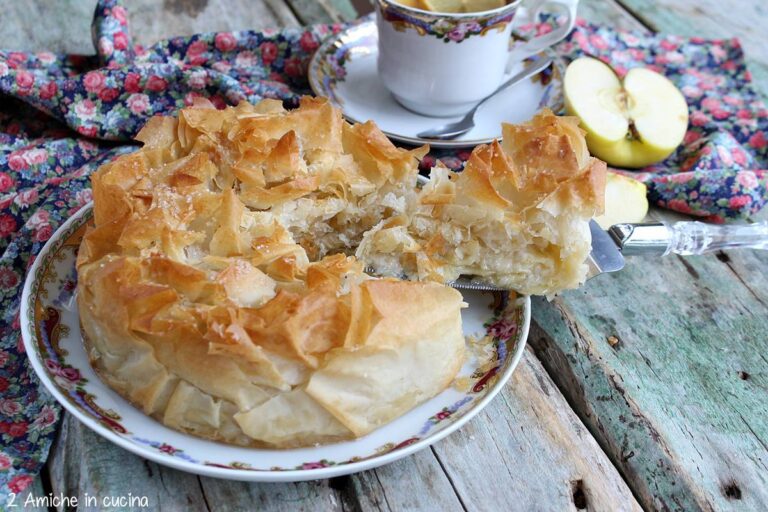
{"points": [[625, 201], [631, 123]]}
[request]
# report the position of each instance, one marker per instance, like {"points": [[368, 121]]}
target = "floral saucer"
{"points": [[344, 70], [496, 325]]}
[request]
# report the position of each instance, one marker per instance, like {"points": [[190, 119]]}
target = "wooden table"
{"points": [[672, 417]]}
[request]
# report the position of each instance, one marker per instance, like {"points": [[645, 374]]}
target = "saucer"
{"points": [[344, 70]]}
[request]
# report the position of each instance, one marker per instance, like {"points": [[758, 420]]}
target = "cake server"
{"points": [[654, 239]]}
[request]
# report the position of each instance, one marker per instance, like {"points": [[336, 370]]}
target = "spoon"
{"points": [[453, 130]]}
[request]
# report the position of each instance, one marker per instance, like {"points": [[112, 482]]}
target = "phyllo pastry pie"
{"points": [[223, 287], [213, 289], [517, 217]]}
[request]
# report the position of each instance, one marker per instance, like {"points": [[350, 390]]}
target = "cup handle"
{"points": [[524, 50]]}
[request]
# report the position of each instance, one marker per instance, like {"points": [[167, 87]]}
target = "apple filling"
{"points": [[517, 217]]}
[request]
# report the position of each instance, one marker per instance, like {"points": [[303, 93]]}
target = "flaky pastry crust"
{"points": [[213, 289], [516, 217], [218, 292]]}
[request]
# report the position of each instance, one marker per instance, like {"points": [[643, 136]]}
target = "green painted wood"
{"points": [[676, 405], [528, 450], [679, 402], [324, 11], [83, 464], [713, 19]]}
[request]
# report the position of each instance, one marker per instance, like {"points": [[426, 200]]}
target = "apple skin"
{"points": [[629, 153], [618, 148], [625, 201]]}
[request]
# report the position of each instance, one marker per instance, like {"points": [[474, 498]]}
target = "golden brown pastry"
{"points": [[218, 293], [213, 293], [516, 217]]}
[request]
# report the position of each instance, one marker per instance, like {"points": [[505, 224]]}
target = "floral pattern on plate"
{"points": [[455, 28], [53, 340], [332, 69]]}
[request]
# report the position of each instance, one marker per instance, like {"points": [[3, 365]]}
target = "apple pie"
{"points": [[219, 289]]}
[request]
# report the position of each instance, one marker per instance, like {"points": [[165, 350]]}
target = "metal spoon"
{"points": [[453, 130]]}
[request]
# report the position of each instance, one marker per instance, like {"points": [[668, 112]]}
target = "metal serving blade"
{"points": [[604, 257]]}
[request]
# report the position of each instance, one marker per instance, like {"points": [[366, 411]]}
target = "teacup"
{"points": [[442, 64]]}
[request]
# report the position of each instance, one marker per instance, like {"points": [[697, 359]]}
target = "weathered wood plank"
{"points": [[669, 402], [323, 11], [224, 495], [529, 451], [32, 25], [676, 406], [84, 464], [713, 19], [527, 429], [151, 23], [417, 482], [284, 15], [37, 25], [608, 12]]}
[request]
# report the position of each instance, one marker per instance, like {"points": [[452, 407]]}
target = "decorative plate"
{"points": [[344, 70], [51, 332]]}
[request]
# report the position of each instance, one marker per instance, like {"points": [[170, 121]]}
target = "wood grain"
{"points": [[528, 449], [679, 402], [324, 11], [671, 404], [527, 444], [187, 17], [713, 19], [37, 25], [83, 463], [225, 496], [608, 12], [417, 482]]}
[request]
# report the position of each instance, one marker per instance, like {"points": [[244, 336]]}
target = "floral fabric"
{"points": [[61, 116], [720, 170]]}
